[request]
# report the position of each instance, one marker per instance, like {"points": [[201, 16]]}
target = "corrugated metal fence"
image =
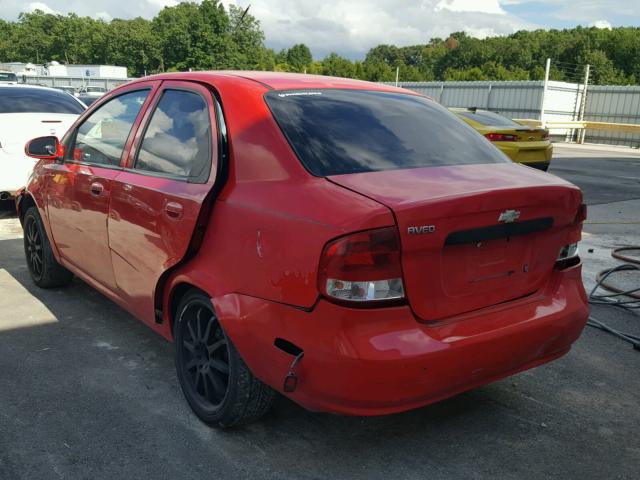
{"points": [[518, 99], [52, 81], [613, 104], [523, 99], [513, 99]]}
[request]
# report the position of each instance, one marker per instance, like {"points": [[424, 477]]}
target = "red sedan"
{"points": [[351, 245]]}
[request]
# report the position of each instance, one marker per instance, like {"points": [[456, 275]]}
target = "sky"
{"points": [[352, 27]]}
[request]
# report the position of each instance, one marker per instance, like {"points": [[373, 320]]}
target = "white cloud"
{"points": [[582, 11], [160, 4], [103, 16], [33, 6], [601, 24], [483, 6], [353, 27]]}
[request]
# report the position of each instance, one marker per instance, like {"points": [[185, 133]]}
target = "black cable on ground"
{"points": [[626, 299]]}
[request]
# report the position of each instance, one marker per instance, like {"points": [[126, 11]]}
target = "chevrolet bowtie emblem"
{"points": [[509, 216]]}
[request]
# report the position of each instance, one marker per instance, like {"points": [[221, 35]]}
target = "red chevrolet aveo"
{"points": [[351, 245]]}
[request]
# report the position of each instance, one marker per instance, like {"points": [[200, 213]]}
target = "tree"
{"points": [[133, 43], [337, 66], [206, 35], [388, 54], [473, 74], [299, 57], [602, 70], [6, 43], [378, 71], [32, 38], [247, 42], [193, 36], [78, 40]]}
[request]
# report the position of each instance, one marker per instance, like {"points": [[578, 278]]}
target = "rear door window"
{"points": [[8, 77], [177, 140], [37, 100], [349, 131]]}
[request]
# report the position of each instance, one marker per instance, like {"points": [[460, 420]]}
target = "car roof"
{"points": [[40, 88], [280, 80], [26, 85]]}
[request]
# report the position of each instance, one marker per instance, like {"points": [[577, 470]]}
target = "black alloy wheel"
{"points": [[217, 384], [205, 355], [33, 247], [44, 269]]}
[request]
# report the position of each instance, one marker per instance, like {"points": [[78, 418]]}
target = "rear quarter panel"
{"points": [[271, 221]]}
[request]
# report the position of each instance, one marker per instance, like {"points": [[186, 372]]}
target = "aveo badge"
{"points": [[421, 229]]}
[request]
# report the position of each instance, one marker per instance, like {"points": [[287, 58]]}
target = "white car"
{"points": [[71, 90], [92, 91], [26, 112]]}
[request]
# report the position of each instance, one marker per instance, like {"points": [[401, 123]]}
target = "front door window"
{"points": [[101, 138]]}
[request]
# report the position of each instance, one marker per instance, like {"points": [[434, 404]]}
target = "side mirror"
{"points": [[45, 148]]}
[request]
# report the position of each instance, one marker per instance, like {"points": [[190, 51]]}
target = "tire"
{"points": [[218, 385], [44, 269]]}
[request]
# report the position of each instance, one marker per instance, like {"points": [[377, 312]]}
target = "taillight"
{"points": [[501, 137], [568, 256], [581, 215], [545, 135], [362, 267], [568, 251]]}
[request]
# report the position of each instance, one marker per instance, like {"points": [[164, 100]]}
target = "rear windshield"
{"points": [[335, 132], [8, 77], [489, 118], [87, 100], [26, 100]]}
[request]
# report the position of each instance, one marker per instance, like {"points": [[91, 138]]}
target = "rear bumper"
{"points": [[15, 172], [379, 361], [539, 165], [531, 153]]}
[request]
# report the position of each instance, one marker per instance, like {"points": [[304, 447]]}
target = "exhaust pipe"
{"points": [[5, 195]]}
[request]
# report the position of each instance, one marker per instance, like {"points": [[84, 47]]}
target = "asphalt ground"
{"points": [[87, 391]]}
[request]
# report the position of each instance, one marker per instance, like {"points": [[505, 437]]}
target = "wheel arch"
{"points": [[27, 199], [174, 292], [24, 201]]}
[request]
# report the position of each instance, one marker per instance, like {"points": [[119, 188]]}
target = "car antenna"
{"points": [[241, 21]]}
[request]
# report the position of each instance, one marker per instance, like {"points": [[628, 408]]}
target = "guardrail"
{"points": [[582, 125]]}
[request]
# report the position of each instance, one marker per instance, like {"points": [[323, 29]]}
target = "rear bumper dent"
{"points": [[372, 362]]}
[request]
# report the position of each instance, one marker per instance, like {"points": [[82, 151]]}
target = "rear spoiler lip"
{"points": [[530, 129], [510, 128]]}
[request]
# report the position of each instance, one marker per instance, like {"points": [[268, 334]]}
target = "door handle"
{"points": [[97, 188], [173, 209]]}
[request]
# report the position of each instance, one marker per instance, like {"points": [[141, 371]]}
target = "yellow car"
{"points": [[522, 144]]}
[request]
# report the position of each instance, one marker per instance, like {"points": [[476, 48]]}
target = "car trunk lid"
{"points": [[472, 236], [522, 134], [16, 129], [527, 134]]}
